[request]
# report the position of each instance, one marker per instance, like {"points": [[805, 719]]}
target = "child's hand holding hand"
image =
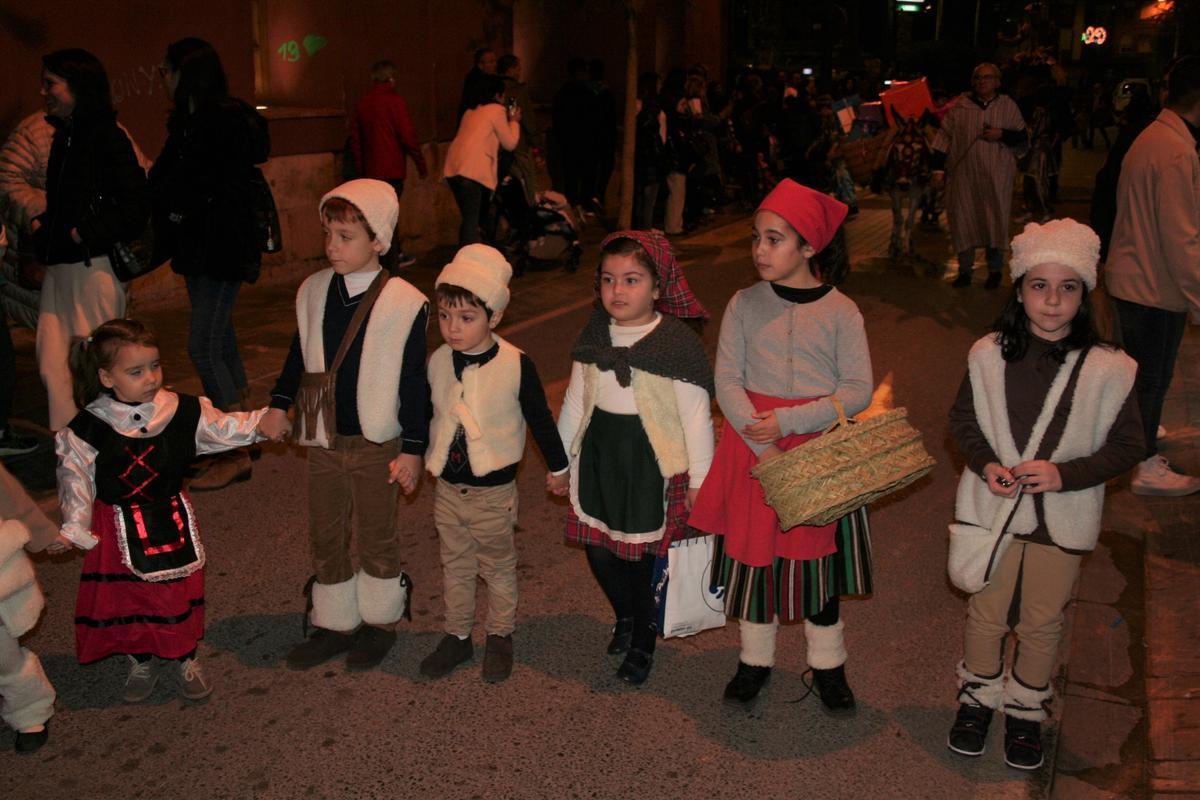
{"points": [[1039, 476], [61, 544], [275, 425], [1000, 480], [766, 430], [558, 484], [405, 469], [690, 499]]}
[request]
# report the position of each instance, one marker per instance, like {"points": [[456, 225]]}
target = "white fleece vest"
{"points": [[657, 410], [1072, 518], [387, 330], [21, 600], [486, 402]]}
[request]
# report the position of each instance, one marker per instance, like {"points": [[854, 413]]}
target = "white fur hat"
{"points": [[377, 202], [481, 270], [1059, 241]]}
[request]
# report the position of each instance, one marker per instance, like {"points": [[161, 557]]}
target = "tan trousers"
{"points": [[676, 194], [348, 490], [475, 525], [1041, 578], [75, 300]]}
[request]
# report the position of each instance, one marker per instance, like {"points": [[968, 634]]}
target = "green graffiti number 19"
{"points": [[289, 51]]}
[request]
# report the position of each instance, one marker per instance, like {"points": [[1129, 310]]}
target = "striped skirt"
{"points": [[795, 590], [118, 612]]}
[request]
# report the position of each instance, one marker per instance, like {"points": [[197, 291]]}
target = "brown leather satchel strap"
{"points": [[360, 317]]}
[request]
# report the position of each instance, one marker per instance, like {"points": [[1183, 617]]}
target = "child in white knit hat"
{"points": [[356, 374], [1044, 417], [485, 391]]}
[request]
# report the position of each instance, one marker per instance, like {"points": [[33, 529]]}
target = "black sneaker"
{"points": [[497, 658], [968, 735], [371, 646], [1023, 743], [835, 694], [622, 637], [451, 651], [961, 282], [636, 667], [27, 743], [993, 280], [323, 645], [747, 682], [16, 444]]}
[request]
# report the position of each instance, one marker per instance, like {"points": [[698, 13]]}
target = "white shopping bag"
{"points": [[686, 604]]}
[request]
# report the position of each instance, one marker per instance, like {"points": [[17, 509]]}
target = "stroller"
{"points": [[538, 237]]}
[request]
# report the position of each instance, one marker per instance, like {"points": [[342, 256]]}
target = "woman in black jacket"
{"points": [[96, 196], [204, 216]]}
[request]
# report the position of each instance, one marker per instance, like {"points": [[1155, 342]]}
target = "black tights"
{"points": [[829, 615], [142, 658], [628, 585]]}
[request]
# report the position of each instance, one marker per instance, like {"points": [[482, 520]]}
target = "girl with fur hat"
{"points": [[1044, 417], [636, 423], [791, 348]]}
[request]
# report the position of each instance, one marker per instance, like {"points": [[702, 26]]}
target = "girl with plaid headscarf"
{"points": [[636, 424]]}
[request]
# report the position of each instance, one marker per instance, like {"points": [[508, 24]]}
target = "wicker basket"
{"points": [[853, 463]]}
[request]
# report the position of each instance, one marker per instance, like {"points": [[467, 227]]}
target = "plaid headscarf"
{"points": [[674, 295]]}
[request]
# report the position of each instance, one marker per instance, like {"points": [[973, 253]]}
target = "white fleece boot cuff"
{"points": [[758, 642], [976, 691], [1022, 702], [28, 695], [381, 601], [335, 606], [826, 645]]}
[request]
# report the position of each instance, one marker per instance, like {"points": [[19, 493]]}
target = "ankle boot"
{"points": [[747, 682], [835, 694], [226, 468]]}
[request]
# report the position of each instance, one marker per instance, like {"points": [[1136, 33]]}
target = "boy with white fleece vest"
{"points": [[484, 392], [379, 428]]}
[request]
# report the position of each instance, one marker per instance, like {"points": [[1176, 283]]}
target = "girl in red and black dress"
{"points": [[121, 463]]}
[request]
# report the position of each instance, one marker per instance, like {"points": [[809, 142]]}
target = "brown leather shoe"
{"points": [[497, 658], [227, 468]]}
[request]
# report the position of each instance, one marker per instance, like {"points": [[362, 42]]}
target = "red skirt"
{"points": [[118, 612], [732, 503]]}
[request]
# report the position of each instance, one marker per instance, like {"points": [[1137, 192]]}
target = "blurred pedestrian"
{"points": [[206, 218], [471, 162], [96, 196], [382, 137], [571, 136], [977, 160], [1153, 268], [484, 67]]}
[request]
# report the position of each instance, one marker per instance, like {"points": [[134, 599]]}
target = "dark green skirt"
{"points": [[620, 483], [794, 590]]}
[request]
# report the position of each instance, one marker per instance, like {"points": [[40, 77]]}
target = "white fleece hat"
{"points": [[1059, 241], [377, 202], [481, 270]]}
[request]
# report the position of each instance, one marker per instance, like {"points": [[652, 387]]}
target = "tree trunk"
{"points": [[625, 215]]}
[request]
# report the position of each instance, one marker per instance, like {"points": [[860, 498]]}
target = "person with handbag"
{"points": [[96, 197], [364, 417], [790, 346], [636, 423], [1044, 417], [204, 185]]}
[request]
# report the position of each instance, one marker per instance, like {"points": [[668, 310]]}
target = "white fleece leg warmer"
{"points": [[826, 645], [335, 606], [28, 695], [758, 642], [1022, 702], [976, 691], [381, 601]]}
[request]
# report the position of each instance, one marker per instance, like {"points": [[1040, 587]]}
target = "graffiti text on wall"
{"points": [[292, 50]]}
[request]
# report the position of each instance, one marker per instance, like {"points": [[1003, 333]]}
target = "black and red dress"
{"points": [[142, 586]]}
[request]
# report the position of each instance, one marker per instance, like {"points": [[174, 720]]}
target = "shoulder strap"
{"points": [[360, 317]]}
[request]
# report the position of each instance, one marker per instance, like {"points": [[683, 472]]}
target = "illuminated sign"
{"points": [[1094, 35]]}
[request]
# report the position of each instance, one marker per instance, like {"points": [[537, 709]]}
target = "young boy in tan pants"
{"points": [[484, 391]]}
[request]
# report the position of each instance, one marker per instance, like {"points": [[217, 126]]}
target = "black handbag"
{"points": [[134, 258], [267, 231]]}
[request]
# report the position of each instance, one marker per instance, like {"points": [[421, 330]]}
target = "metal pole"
{"points": [[975, 35], [937, 26]]}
